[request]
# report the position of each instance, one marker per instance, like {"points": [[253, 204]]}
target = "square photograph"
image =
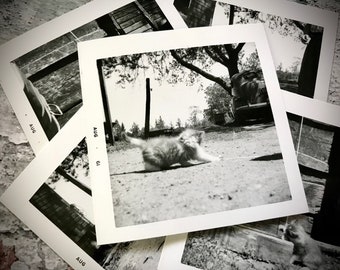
{"points": [[174, 152], [294, 242], [301, 37], [46, 73], [164, 139]]}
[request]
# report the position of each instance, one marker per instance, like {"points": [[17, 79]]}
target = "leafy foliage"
{"points": [[194, 120], [218, 100], [170, 65], [78, 158], [251, 62], [159, 123], [135, 130], [281, 25]]}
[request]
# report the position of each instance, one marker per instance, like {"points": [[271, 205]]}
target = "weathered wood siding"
{"points": [[200, 13], [53, 67]]}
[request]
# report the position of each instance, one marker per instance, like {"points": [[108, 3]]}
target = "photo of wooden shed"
{"points": [[51, 73], [196, 13]]}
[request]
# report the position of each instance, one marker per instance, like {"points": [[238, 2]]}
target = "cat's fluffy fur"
{"points": [[306, 251], [162, 152]]}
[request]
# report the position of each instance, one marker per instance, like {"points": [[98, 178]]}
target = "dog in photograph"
{"points": [[162, 152], [306, 251]]}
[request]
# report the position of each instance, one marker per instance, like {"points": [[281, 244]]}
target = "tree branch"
{"points": [[299, 25], [239, 47], [225, 57], [228, 48], [198, 70], [215, 56]]}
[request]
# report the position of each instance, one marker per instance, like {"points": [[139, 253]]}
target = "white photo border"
{"points": [[106, 230], [31, 179], [172, 252], [308, 14], [10, 80]]}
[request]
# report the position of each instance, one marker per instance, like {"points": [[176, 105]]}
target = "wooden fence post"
{"points": [[106, 106], [147, 109]]}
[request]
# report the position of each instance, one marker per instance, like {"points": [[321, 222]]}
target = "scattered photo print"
{"points": [[296, 45], [213, 97], [51, 72], [65, 199], [296, 242]]}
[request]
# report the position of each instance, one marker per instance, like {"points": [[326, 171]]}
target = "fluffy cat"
{"points": [[160, 153], [306, 251]]}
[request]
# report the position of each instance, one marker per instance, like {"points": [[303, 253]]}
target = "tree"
{"points": [[226, 55], [159, 124], [179, 123], [199, 60], [135, 130], [71, 165], [251, 62], [218, 100], [194, 120], [295, 66], [282, 25]]}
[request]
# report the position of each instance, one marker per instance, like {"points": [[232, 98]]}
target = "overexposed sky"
{"points": [[168, 101], [74, 195]]}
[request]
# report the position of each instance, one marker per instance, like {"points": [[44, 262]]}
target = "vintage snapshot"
{"points": [[40, 72], [302, 38], [309, 241], [55, 202], [163, 139]]}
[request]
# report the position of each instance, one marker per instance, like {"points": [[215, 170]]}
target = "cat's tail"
{"points": [[134, 141]]}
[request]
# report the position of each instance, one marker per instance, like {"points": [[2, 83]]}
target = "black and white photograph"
{"points": [[211, 146], [65, 199], [302, 41], [183, 138], [49, 74], [174, 138], [55, 202], [295, 242]]}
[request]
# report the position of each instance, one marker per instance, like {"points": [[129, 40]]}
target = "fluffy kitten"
{"points": [[306, 250], [160, 153]]}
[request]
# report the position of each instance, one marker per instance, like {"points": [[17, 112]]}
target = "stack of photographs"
{"points": [[180, 134]]}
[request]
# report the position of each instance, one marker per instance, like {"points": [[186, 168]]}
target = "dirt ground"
{"points": [[236, 181]]}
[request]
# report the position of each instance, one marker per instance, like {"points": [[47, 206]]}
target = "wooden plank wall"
{"points": [[200, 13], [53, 67]]}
